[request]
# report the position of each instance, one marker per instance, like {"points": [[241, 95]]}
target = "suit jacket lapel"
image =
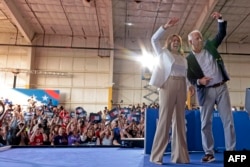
{"points": [[195, 67]]}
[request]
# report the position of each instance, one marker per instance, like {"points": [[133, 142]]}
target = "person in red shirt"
{"points": [[63, 113], [36, 138]]}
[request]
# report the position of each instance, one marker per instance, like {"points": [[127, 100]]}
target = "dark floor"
{"points": [[91, 157]]}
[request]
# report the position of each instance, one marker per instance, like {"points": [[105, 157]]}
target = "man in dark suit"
{"points": [[206, 71]]}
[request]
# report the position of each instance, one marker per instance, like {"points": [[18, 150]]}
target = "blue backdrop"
{"points": [[193, 125]]}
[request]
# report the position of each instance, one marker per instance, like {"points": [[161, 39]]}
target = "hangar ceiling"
{"points": [[115, 23]]}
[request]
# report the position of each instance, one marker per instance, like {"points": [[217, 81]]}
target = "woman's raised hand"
{"points": [[173, 21]]}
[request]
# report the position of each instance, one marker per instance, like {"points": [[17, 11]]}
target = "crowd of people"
{"points": [[54, 125]]}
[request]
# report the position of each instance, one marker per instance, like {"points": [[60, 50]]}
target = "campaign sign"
{"points": [[95, 118], [113, 113], [81, 112], [134, 117], [236, 158], [49, 113], [28, 115]]}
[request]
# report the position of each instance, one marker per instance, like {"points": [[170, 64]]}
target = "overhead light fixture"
{"points": [[86, 3], [129, 24], [16, 71]]}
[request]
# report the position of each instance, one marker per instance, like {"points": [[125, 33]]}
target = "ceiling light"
{"points": [[129, 24], [86, 3]]}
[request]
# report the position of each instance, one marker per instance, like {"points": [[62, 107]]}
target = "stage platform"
{"points": [[91, 157]]}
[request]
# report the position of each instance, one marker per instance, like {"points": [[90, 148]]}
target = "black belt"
{"points": [[217, 85]]}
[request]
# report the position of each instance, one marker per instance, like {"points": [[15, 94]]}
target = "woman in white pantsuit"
{"points": [[170, 76]]}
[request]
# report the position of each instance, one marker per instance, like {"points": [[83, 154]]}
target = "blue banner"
{"points": [[22, 96]]}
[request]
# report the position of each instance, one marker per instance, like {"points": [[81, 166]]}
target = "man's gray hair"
{"points": [[190, 34]]}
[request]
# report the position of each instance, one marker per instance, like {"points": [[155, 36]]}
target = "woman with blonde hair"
{"points": [[170, 77], [169, 42]]}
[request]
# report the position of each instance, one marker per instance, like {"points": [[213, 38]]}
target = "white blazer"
{"points": [[161, 71]]}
